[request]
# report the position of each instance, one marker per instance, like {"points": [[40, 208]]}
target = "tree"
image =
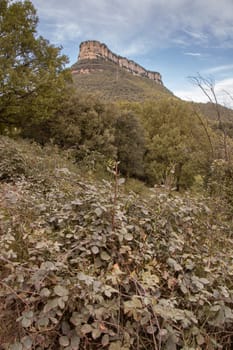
{"points": [[32, 71], [82, 123], [177, 145], [130, 144], [207, 86]]}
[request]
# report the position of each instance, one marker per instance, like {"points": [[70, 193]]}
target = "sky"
{"points": [[178, 38]]}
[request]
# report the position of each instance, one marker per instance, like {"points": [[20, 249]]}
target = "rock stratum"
{"points": [[94, 51]]}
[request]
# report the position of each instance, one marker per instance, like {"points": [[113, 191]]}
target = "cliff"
{"points": [[94, 51]]}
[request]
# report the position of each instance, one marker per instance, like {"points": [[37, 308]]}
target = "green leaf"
{"points": [[74, 342], [28, 314], [43, 322], [96, 333], [86, 328], [172, 263], [121, 181], [64, 341], [145, 319], [27, 343], [98, 212], [171, 343], [105, 340], [104, 256], [51, 304], [61, 291], [76, 319], [45, 292], [26, 322], [95, 250], [128, 236], [151, 329], [16, 346], [48, 266], [61, 303], [133, 304], [115, 346], [200, 339]]}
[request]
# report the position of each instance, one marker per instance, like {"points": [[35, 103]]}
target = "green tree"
{"points": [[82, 122], [130, 144], [32, 71], [177, 145]]}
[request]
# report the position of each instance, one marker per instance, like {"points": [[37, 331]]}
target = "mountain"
{"points": [[100, 70], [113, 77]]}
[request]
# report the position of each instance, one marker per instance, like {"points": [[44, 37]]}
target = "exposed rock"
{"points": [[93, 50]]}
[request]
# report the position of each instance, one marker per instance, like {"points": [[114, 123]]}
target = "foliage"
{"points": [[220, 182], [21, 160], [177, 145], [160, 278], [32, 74], [83, 123], [130, 144], [96, 131], [114, 84]]}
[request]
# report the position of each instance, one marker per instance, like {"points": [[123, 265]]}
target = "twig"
{"points": [[12, 290]]}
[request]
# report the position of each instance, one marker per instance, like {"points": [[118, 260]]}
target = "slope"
{"points": [[158, 276], [113, 83]]}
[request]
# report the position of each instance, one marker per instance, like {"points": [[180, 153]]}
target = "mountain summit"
{"points": [[93, 51], [114, 77]]}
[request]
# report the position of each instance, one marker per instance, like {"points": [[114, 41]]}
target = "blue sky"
{"points": [[178, 38]]}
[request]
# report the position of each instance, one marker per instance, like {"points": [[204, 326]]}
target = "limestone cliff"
{"points": [[93, 50]]}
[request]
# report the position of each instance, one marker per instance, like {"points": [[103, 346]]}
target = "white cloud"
{"points": [[63, 32], [223, 90], [198, 54], [191, 94], [201, 37], [218, 69], [158, 22]]}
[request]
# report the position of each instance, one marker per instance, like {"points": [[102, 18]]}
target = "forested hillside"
{"points": [[115, 213]]}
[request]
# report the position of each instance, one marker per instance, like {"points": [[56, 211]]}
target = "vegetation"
{"points": [[32, 75], [113, 83], [157, 279], [115, 216]]}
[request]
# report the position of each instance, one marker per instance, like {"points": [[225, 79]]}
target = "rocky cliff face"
{"points": [[94, 50]]}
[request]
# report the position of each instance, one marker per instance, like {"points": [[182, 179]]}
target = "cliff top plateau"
{"points": [[95, 51], [99, 70]]}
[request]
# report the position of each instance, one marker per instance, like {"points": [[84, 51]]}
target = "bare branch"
{"points": [[207, 86], [205, 129]]}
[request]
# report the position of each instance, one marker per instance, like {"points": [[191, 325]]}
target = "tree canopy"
{"points": [[177, 145], [32, 71]]}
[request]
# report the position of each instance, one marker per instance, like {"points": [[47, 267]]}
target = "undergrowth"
{"points": [[160, 277]]}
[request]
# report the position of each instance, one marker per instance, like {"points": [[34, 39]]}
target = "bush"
{"points": [[12, 162], [220, 181], [20, 159], [91, 268]]}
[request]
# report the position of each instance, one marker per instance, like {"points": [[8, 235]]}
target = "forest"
{"points": [[115, 215]]}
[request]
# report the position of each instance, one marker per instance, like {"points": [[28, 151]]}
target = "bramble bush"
{"points": [[220, 183], [83, 267]]}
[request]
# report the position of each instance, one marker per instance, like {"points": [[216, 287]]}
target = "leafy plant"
{"points": [[160, 278]]}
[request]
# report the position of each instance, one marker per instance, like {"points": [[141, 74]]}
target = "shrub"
{"points": [[88, 269]]}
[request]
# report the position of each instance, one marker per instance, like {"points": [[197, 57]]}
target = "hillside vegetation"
{"points": [[115, 213], [86, 264], [113, 83]]}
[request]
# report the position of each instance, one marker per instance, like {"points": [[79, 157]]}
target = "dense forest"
{"points": [[115, 214]]}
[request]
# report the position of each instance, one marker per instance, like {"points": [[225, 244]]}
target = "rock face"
{"points": [[94, 50]]}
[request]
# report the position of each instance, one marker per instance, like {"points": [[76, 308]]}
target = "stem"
{"points": [[115, 196]]}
